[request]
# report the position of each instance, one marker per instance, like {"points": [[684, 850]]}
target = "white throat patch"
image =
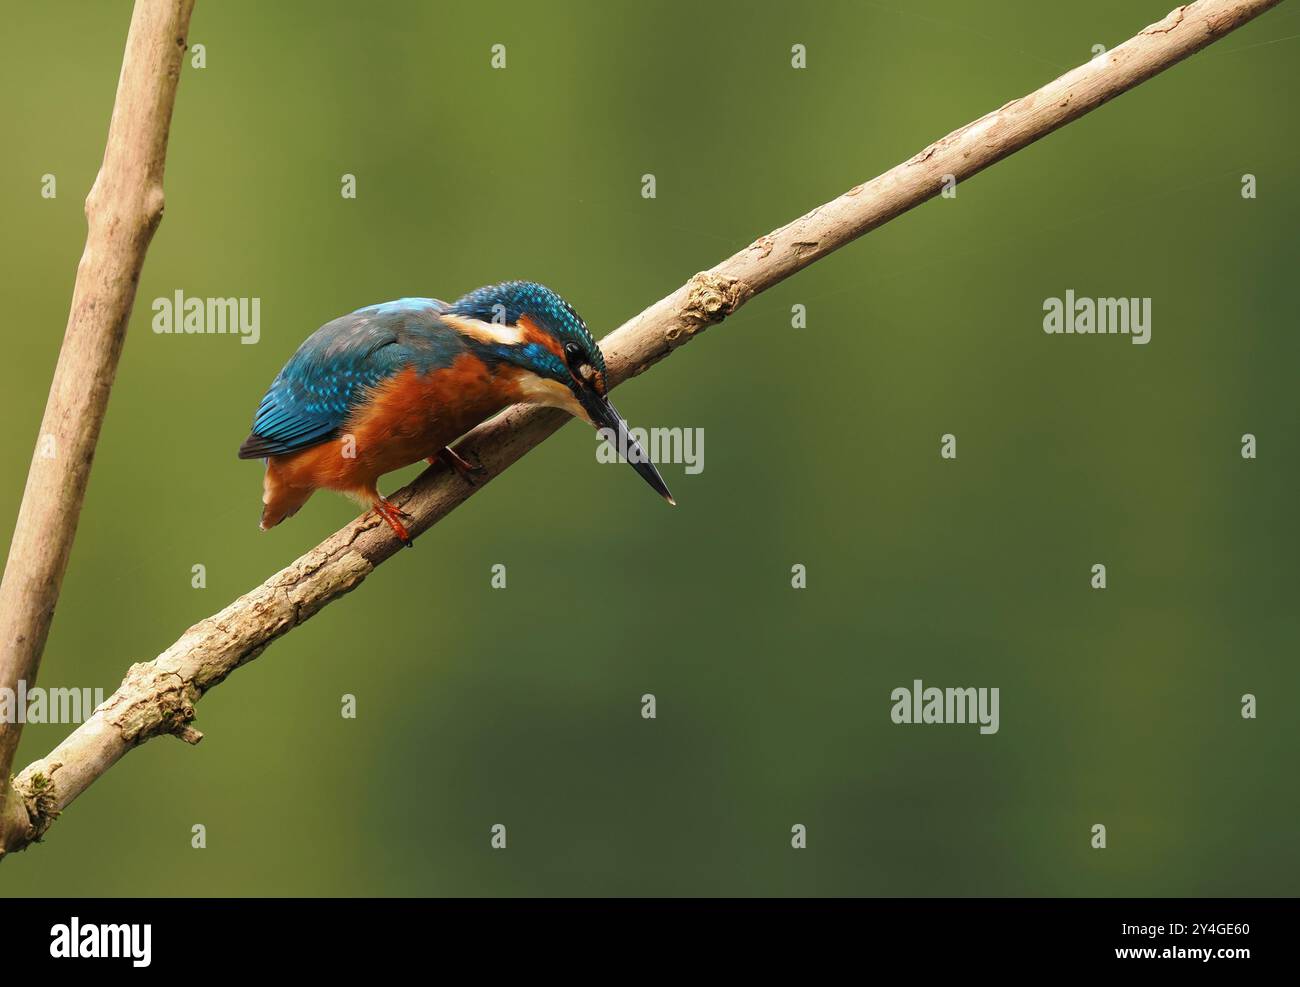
{"points": [[550, 394]]}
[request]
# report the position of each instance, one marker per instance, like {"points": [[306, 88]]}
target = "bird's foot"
{"points": [[393, 515], [469, 471]]}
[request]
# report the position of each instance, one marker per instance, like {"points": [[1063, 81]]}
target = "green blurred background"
{"points": [[522, 706]]}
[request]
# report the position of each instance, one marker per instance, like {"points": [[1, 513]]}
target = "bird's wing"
{"points": [[333, 370]]}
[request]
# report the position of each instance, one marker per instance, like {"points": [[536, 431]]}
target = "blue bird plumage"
{"points": [[332, 371], [507, 302], [399, 381]]}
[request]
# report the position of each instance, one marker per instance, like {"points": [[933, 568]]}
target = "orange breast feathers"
{"points": [[406, 418]]}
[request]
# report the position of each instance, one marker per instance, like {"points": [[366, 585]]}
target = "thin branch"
{"points": [[159, 696], [123, 209]]}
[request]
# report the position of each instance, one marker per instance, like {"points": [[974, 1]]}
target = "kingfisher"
{"points": [[394, 383]]}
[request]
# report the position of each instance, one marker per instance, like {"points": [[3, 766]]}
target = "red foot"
{"points": [[393, 514], [467, 470]]}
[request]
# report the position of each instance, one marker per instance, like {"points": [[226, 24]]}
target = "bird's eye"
{"points": [[574, 355]]}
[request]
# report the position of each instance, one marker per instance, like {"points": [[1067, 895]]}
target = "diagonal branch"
{"points": [[123, 209], [159, 696]]}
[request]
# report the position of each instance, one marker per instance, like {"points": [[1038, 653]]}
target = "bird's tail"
{"points": [[279, 499]]}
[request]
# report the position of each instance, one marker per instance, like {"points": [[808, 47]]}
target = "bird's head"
{"points": [[559, 364]]}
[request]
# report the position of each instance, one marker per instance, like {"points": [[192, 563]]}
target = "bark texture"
{"points": [[123, 209]]}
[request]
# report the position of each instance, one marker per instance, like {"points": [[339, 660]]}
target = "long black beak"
{"points": [[605, 416]]}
